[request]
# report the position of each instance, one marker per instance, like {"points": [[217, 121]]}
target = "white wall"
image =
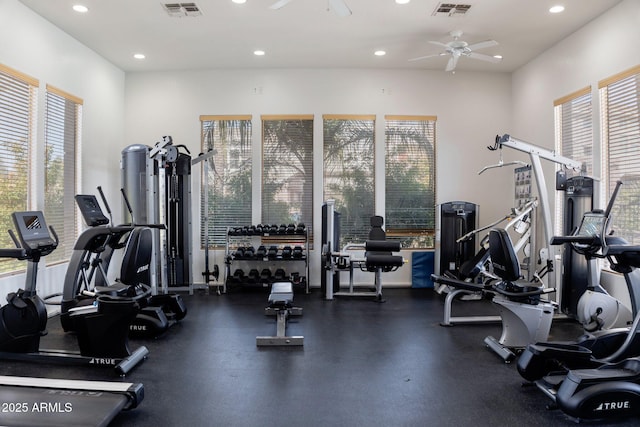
{"points": [[604, 47], [471, 109], [35, 47]]}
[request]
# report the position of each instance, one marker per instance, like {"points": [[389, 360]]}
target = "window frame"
{"points": [[620, 136], [302, 160], [64, 137], [217, 230], [411, 236], [355, 223], [24, 128], [576, 102]]}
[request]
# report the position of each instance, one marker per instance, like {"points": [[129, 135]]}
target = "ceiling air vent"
{"points": [[178, 10], [451, 9]]}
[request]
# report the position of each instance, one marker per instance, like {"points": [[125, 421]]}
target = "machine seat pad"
{"points": [[511, 289], [382, 245], [383, 260], [281, 294]]}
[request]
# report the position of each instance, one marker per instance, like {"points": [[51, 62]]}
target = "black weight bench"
{"points": [[281, 306]]}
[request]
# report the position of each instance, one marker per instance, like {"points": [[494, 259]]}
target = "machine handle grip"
{"points": [[582, 240], [14, 238], [17, 253], [54, 234]]}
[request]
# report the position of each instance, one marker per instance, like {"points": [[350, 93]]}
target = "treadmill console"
{"points": [[90, 210], [33, 231]]}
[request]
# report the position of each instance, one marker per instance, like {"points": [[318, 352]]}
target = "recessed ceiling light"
{"points": [[139, 55], [258, 52], [379, 53], [402, 1], [497, 56], [556, 9], [80, 8], [239, 1]]}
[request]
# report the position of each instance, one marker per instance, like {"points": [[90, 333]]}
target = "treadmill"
{"points": [[34, 402]]}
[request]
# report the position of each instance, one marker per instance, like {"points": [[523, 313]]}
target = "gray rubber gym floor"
{"points": [[362, 364]]}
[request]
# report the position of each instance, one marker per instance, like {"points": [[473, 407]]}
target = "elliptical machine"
{"points": [[102, 328], [86, 277]]}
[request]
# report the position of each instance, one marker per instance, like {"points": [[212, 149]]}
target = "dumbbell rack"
{"points": [[259, 255]]}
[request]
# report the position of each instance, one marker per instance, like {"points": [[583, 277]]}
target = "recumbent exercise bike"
{"points": [[597, 375]]}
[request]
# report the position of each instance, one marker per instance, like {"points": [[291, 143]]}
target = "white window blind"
{"points": [[18, 101], [287, 170], [574, 127], [348, 172], [229, 180], [620, 103], [62, 137], [410, 179], [574, 138]]}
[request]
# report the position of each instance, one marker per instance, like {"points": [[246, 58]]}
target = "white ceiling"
{"points": [[304, 34]]}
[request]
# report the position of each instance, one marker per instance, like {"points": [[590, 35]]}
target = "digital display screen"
{"points": [[32, 222], [91, 203], [591, 225]]}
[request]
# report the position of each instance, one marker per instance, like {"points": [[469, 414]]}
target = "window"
{"points": [[229, 181], [574, 138], [287, 169], [620, 115], [410, 179], [348, 172], [62, 135], [18, 100]]}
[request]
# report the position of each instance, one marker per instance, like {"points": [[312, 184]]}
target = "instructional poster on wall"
{"points": [[522, 185]]}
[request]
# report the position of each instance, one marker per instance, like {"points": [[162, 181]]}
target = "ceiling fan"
{"points": [[458, 48], [338, 6]]}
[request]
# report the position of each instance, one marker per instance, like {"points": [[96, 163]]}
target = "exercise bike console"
{"points": [[33, 234], [588, 237]]}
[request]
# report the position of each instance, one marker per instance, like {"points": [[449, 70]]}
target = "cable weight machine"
{"points": [[158, 182], [535, 154]]}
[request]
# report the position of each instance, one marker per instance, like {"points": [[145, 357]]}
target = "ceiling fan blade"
{"points": [[439, 44], [451, 65], [482, 45], [340, 8], [279, 4], [483, 57], [428, 56]]}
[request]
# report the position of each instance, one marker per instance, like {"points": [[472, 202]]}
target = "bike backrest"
{"points": [[503, 257]]}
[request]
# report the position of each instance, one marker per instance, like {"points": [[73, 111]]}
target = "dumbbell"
{"points": [[273, 252], [238, 276], [254, 276], [261, 252], [286, 252], [279, 275], [265, 275], [249, 252], [239, 253]]}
